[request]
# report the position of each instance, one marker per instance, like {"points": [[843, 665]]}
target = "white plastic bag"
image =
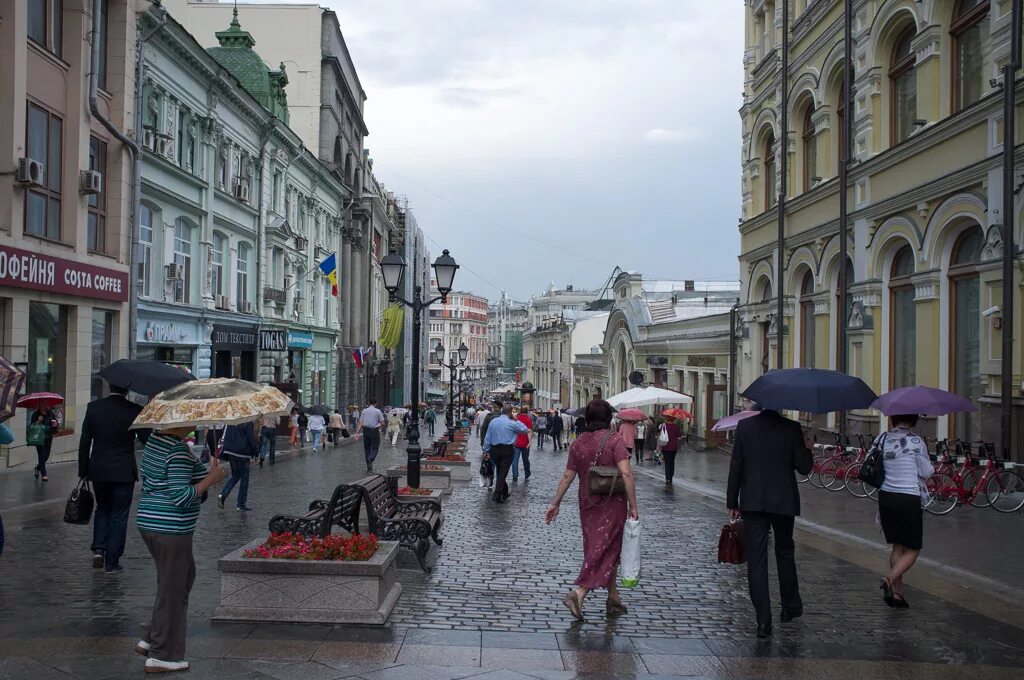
{"points": [[663, 436], [629, 564]]}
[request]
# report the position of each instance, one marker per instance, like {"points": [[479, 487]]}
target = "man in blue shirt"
{"points": [[498, 444]]}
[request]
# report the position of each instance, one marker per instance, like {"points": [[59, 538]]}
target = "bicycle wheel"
{"points": [[971, 479], [853, 483], [815, 477], [872, 492], [1005, 491], [943, 494], [830, 475]]}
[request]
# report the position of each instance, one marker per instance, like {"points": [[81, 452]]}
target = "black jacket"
{"points": [[240, 441], [555, 424], [766, 450], [487, 422], [106, 449]]}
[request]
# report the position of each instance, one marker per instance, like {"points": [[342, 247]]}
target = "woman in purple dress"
{"points": [[602, 518]]}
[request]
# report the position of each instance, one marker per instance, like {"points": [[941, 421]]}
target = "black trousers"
{"points": [[670, 464], [501, 456], [756, 528], [110, 523]]}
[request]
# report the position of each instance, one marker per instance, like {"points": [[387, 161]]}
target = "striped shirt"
{"points": [[169, 502]]}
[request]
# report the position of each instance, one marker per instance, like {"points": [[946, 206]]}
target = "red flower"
{"points": [[290, 546]]}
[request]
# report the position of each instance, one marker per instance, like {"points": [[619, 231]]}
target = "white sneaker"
{"points": [[142, 648], [158, 666]]}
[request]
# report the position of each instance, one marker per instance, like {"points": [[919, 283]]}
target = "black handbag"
{"points": [[872, 470], [78, 509]]}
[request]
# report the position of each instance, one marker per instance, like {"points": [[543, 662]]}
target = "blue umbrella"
{"points": [[812, 390]]}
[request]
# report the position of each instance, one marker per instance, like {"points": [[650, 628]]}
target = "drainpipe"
{"points": [[133, 147], [261, 231]]}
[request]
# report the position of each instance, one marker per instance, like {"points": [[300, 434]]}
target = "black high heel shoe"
{"points": [[887, 593]]}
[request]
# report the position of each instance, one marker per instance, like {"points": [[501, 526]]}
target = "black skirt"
{"points": [[902, 518]]}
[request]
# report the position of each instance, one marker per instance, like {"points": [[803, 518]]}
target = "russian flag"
{"points": [[359, 355]]}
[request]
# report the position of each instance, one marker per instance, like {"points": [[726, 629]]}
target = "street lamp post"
{"points": [[458, 358], [393, 268]]}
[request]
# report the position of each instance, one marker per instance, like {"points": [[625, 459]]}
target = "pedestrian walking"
{"points": [[293, 425], [268, 438], [499, 446], [602, 520], [238, 448], [44, 423], [353, 418], [431, 418], [370, 422], [540, 423], [651, 440], [638, 441], [337, 425], [907, 468], [580, 425], [173, 483], [478, 422], [670, 435], [106, 457], [303, 426], [521, 447], [316, 425], [762, 489], [627, 429], [494, 413], [394, 427], [567, 431], [555, 427], [6, 437]]}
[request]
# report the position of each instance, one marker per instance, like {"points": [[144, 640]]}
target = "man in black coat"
{"points": [[106, 457], [763, 490]]}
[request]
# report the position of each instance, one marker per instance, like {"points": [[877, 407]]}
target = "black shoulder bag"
{"points": [[872, 470]]}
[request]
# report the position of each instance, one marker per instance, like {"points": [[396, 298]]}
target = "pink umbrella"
{"points": [[632, 415], [730, 422], [37, 399]]}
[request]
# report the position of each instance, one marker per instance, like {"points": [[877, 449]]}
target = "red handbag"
{"points": [[730, 544]]}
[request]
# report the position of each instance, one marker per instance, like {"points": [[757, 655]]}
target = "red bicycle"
{"points": [[982, 483]]}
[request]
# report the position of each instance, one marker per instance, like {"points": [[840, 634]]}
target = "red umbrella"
{"points": [[38, 399], [677, 413], [12, 381], [633, 415]]}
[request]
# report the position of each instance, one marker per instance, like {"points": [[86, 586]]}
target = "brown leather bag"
{"points": [[730, 544], [604, 480]]}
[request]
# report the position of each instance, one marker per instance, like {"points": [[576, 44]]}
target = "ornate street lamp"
{"points": [[458, 358], [393, 268]]}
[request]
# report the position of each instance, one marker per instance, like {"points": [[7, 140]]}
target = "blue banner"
{"points": [[300, 340]]}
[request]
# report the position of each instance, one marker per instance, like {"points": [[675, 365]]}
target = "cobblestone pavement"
{"points": [[492, 600]]}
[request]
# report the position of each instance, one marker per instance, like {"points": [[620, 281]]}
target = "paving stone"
{"points": [[430, 655], [349, 652], [522, 659]]}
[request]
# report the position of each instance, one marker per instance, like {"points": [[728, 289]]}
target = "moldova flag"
{"points": [[330, 267]]}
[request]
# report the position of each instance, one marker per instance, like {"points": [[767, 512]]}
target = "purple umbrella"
{"points": [[920, 400], [730, 422]]}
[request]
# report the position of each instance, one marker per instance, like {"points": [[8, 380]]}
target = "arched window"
{"points": [[183, 258], [243, 264], [766, 291], [217, 266], [770, 197], [807, 336], [968, 79], [903, 87], [845, 318], [903, 320], [810, 140], [144, 271], [840, 132], [966, 331]]}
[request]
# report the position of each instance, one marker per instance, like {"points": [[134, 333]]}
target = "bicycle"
{"points": [[851, 475], [1003, 487], [831, 473]]}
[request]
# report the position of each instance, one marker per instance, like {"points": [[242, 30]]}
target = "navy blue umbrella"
{"points": [[812, 390]]}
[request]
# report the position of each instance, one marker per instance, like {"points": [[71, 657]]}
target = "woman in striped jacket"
{"points": [[174, 482]]}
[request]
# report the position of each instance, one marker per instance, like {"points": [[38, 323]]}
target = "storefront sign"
{"points": [[25, 269], [167, 333], [300, 340], [701, 360], [657, 361], [236, 337], [273, 340]]}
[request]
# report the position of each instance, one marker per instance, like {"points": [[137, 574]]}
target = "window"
{"points": [[102, 343], [183, 257], [46, 24], [276, 199], [144, 274], [968, 78], [843, 320], [242, 274], [217, 267], [47, 347], [102, 71], [186, 142], [327, 302], [841, 137], [44, 132], [770, 196], [807, 335], [810, 149], [903, 87], [903, 318], [277, 268], [966, 330], [97, 221]]}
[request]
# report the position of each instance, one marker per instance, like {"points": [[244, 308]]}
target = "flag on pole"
{"points": [[330, 267], [359, 355]]}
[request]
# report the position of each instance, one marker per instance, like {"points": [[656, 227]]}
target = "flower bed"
{"points": [[409, 491], [289, 546], [448, 457], [425, 468]]}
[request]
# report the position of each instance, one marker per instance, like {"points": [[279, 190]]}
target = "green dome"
{"points": [[237, 56]]}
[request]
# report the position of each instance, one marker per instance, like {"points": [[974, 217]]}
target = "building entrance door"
{"points": [[717, 407]]}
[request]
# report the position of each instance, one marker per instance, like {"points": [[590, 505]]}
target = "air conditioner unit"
{"points": [[242, 191], [29, 172], [248, 307], [175, 272], [149, 139], [222, 302], [91, 182], [163, 145]]}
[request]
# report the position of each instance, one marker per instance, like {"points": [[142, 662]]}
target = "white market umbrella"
{"points": [[648, 396]]}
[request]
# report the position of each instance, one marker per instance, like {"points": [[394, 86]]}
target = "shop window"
{"points": [[966, 330], [903, 319], [144, 272], [46, 24], [47, 347], [217, 265], [44, 143], [903, 87], [968, 60], [97, 220], [175, 356], [242, 266], [102, 345], [183, 257]]}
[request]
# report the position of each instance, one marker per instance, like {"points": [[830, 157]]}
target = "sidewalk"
{"points": [[970, 543]]}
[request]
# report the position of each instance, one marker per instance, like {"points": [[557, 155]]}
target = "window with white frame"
{"points": [[217, 265], [242, 267], [144, 271], [327, 302], [183, 257]]}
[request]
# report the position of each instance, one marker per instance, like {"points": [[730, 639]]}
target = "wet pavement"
{"points": [[491, 607]]}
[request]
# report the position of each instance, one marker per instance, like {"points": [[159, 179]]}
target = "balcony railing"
{"points": [[276, 295]]}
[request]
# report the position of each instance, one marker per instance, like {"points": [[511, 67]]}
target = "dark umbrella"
{"points": [[12, 382], [319, 410], [812, 390], [921, 400], [144, 376]]}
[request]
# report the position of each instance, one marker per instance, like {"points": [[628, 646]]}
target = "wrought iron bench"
{"points": [[412, 523], [341, 510]]}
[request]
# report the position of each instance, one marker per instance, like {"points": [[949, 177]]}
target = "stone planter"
{"points": [[434, 493], [302, 591], [459, 468], [429, 479]]}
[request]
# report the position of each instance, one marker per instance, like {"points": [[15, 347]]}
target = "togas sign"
{"points": [[273, 340]]}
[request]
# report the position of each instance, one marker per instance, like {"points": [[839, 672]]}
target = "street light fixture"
{"points": [[393, 268], [458, 358]]}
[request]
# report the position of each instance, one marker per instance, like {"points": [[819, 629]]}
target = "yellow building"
{"points": [[924, 196]]}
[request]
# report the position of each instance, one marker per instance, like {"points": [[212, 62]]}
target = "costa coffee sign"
{"points": [[25, 269]]}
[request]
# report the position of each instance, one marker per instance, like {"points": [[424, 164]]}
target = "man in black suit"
{"points": [[106, 457], [763, 490]]}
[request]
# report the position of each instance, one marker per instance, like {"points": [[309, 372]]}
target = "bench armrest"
{"points": [[425, 505]]}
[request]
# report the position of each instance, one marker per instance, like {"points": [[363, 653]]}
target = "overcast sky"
{"points": [[550, 140]]}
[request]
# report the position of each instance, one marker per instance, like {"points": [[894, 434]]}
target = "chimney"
{"points": [[688, 286], [568, 288]]}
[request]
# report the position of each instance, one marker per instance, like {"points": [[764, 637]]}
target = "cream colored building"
{"points": [[925, 196]]}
